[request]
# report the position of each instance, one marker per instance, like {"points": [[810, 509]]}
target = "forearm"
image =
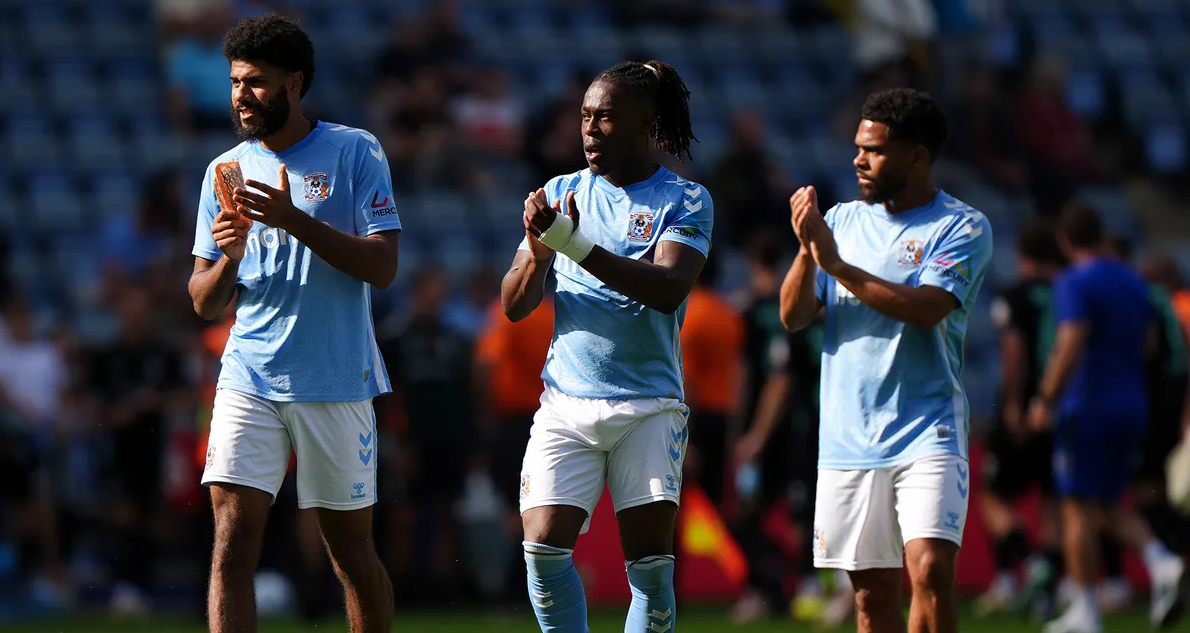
{"points": [[773, 398], [799, 300], [364, 258], [523, 287], [657, 287], [212, 289], [1061, 364], [908, 304]]}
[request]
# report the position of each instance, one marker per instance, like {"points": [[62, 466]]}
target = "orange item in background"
{"points": [[712, 352]]}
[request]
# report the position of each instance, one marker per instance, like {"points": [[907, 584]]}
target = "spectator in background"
{"points": [[132, 242], [1057, 143], [468, 313], [773, 454], [712, 362], [894, 33], [423, 146], [509, 359], [488, 116], [749, 187], [196, 72], [430, 364], [405, 55], [33, 379], [1164, 270], [446, 41], [978, 126], [139, 382], [551, 145]]}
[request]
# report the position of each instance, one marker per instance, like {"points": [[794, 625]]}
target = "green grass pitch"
{"points": [[690, 621]]}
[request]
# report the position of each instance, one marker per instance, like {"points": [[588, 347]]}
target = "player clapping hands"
{"points": [[811, 229]]}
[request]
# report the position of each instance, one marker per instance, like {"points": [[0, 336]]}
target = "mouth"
{"points": [[247, 112], [592, 153], [863, 180]]}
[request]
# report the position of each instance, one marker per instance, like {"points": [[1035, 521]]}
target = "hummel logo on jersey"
{"points": [[377, 152]]}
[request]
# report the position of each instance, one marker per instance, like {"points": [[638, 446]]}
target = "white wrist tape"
{"points": [[562, 237]]}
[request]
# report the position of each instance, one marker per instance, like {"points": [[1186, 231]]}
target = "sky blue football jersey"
{"points": [[303, 329], [891, 392], [605, 345]]}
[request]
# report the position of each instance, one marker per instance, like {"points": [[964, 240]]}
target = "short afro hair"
{"points": [[1082, 226], [912, 116], [274, 39]]}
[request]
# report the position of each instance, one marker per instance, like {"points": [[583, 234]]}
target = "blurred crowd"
{"points": [[102, 432]]}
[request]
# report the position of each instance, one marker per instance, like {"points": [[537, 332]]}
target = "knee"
{"points": [[931, 571], [555, 526]]}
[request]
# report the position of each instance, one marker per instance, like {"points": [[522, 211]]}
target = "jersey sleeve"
{"points": [[694, 221], [208, 208], [960, 261], [1070, 302], [372, 183]]}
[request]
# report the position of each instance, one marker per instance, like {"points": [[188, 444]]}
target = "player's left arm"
{"points": [[955, 268], [371, 255]]}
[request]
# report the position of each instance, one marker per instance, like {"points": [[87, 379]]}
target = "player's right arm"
{"points": [[220, 238], [524, 283], [800, 299]]}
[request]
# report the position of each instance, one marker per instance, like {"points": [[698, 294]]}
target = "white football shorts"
{"points": [[577, 445], [864, 518], [335, 444]]}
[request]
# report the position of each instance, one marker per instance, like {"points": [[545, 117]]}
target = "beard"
{"points": [[884, 189], [273, 115]]}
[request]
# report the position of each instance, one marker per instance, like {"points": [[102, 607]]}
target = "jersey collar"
{"points": [[296, 147], [649, 182]]}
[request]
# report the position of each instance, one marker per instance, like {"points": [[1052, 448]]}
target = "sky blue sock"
{"points": [[555, 589], [653, 608]]}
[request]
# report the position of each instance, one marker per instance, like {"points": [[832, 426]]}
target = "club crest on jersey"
{"points": [[910, 253], [317, 187], [640, 226]]}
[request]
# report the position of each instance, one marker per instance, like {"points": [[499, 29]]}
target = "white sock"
{"points": [[1084, 601], [1154, 553]]}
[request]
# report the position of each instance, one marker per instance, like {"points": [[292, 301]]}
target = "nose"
{"points": [[240, 93], [861, 160], [590, 128]]}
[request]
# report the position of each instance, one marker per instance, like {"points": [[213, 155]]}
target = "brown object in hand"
{"points": [[228, 177]]}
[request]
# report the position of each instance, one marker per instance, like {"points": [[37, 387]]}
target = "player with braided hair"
{"points": [[612, 411]]}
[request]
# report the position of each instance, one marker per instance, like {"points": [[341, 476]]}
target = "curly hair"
{"points": [[274, 39], [911, 116], [659, 82], [1081, 225]]}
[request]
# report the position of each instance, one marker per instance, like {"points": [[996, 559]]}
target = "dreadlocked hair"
{"points": [[661, 83]]}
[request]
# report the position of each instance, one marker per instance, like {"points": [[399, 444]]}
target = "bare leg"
{"points": [[240, 516], [935, 605], [878, 600], [348, 537]]}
